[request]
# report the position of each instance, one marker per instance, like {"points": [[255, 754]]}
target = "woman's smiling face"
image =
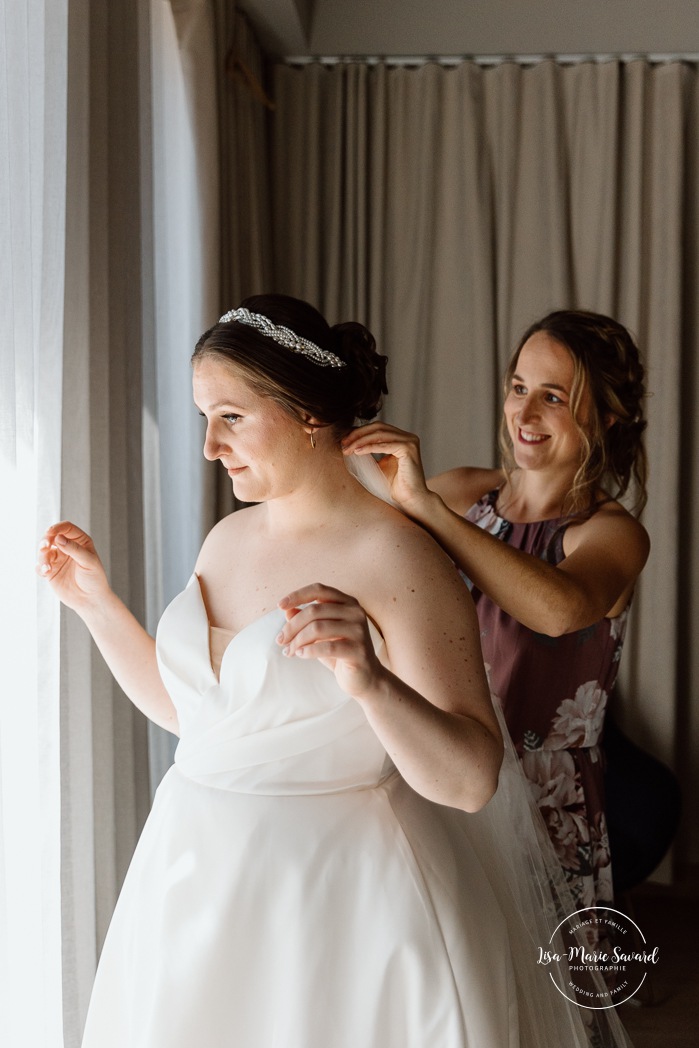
{"points": [[263, 449], [537, 409]]}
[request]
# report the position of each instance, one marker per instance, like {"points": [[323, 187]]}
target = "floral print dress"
{"points": [[554, 692]]}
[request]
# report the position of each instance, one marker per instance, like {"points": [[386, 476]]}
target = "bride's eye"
{"points": [[231, 419]]}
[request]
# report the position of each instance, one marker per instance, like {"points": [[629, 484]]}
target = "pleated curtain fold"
{"points": [[245, 216]]}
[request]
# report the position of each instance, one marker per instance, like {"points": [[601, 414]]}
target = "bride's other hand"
{"points": [[333, 628], [67, 559], [401, 463]]}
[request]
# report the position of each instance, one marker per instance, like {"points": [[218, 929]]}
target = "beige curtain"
{"points": [[185, 250], [244, 111], [244, 108], [108, 321], [210, 249], [448, 208]]}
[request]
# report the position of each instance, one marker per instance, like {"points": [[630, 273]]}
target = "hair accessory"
{"points": [[284, 336]]}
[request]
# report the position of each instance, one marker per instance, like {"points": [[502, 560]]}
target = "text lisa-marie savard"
{"points": [[594, 957]]}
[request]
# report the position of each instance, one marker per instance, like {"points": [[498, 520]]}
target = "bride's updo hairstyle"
{"points": [[608, 364], [334, 394]]}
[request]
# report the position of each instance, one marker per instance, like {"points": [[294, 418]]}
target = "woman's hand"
{"points": [[68, 561], [333, 628], [401, 464]]}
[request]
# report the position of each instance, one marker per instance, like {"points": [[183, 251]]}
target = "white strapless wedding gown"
{"points": [[289, 889]]}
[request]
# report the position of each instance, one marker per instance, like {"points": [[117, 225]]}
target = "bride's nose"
{"points": [[213, 446]]}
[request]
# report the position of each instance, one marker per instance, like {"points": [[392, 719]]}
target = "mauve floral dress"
{"points": [[554, 691]]}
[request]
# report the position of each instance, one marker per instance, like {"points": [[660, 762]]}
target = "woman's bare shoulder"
{"points": [[460, 488], [612, 526], [230, 529]]}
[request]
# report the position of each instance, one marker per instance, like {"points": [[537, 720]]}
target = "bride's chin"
{"points": [[247, 492]]}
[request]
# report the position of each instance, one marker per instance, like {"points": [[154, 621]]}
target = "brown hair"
{"points": [[607, 363], [334, 396]]}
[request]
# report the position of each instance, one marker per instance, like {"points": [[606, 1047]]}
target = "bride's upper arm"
{"points": [[429, 625]]}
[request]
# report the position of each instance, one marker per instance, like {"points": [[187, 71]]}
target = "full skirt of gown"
{"points": [[290, 890]]}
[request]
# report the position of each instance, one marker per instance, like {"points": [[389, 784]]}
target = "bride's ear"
{"points": [[310, 426], [310, 423]]}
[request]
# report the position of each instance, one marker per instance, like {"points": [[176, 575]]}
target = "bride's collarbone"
{"points": [[244, 571], [250, 586], [275, 578], [261, 554]]}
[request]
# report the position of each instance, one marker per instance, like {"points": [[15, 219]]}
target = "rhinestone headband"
{"points": [[284, 336]]}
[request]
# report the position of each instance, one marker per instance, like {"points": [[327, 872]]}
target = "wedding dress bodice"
{"points": [[270, 724]]}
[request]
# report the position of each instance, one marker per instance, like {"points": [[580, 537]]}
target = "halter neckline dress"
{"points": [[554, 693]]}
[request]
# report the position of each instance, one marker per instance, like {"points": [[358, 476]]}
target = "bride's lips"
{"points": [[235, 470]]}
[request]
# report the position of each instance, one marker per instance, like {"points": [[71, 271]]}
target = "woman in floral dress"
{"points": [[552, 558]]}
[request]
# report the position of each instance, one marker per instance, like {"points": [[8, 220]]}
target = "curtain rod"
{"points": [[488, 60]]}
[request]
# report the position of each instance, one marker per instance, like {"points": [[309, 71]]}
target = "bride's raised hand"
{"points": [[401, 464], [67, 559], [325, 624]]}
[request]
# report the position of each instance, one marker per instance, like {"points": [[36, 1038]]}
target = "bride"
{"points": [[308, 877]]}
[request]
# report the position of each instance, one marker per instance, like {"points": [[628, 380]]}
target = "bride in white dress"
{"points": [[308, 876]]}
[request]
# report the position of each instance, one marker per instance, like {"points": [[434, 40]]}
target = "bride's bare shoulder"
{"points": [[397, 546], [229, 531], [408, 582]]}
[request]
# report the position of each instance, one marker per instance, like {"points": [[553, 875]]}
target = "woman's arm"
{"points": [[69, 562], [432, 709], [604, 556]]}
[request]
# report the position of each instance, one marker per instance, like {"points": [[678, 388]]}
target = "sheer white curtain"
{"points": [[33, 57], [74, 230]]}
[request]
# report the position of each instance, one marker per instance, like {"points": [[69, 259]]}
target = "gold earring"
{"points": [[313, 439]]}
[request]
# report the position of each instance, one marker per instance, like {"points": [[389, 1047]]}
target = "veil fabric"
{"points": [[513, 845]]}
